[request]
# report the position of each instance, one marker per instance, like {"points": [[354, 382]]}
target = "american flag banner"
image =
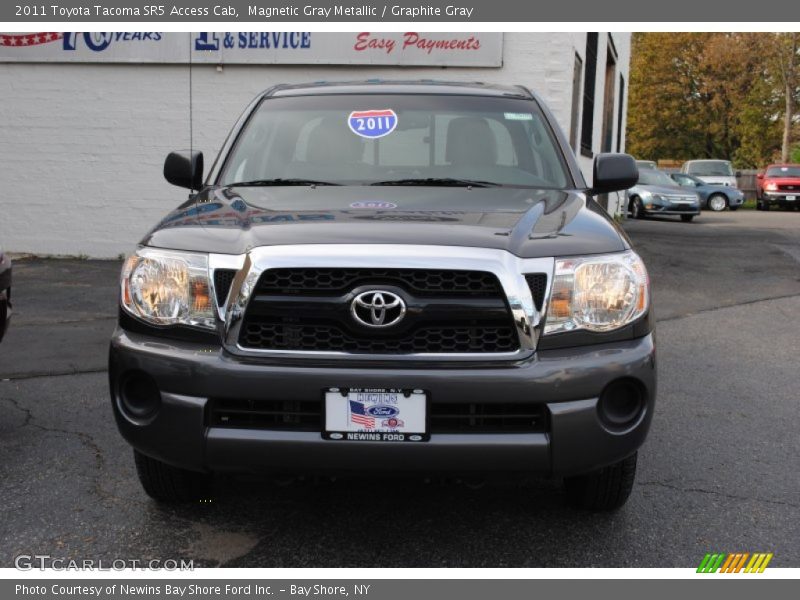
{"points": [[30, 39], [359, 416]]}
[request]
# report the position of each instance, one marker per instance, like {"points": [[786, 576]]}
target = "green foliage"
{"points": [[705, 95]]}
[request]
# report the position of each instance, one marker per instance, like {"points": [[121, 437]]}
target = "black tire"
{"points": [[719, 208], [3, 317], [166, 483], [636, 208], [687, 218], [764, 206], [605, 489]]}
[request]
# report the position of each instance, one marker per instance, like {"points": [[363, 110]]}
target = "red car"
{"points": [[779, 185]]}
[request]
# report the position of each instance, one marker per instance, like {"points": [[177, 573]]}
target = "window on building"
{"points": [[620, 112], [610, 84], [576, 102], [590, 71]]}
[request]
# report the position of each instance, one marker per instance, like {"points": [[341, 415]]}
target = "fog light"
{"points": [[621, 404], [139, 395]]}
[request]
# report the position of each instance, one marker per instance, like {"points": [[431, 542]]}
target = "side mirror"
{"points": [[759, 176], [184, 169], [613, 172], [737, 174]]}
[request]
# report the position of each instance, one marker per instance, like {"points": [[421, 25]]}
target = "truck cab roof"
{"points": [[383, 86]]}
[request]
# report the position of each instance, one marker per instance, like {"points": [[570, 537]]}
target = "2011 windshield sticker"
{"points": [[372, 124]]}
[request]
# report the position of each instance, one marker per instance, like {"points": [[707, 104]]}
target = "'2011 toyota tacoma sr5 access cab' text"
{"points": [[388, 277]]}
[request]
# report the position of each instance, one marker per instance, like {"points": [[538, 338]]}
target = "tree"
{"points": [[706, 95], [662, 118], [782, 50]]}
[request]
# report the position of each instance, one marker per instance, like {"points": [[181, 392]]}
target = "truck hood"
{"points": [[528, 223]]}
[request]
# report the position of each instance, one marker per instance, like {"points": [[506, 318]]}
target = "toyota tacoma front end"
{"points": [[388, 278]]}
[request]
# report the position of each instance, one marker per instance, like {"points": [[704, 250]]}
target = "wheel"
{"points": [[605, 489], [717, 202], [687, 218], [636, 208], [166, 483], [764, 205], [3, 317]]}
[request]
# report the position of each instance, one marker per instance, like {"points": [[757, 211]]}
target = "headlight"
{"points": [[163, 287], [597, 293], [772, 187]]}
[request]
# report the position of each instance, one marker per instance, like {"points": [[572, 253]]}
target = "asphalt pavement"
{"points": [[719, 471]]}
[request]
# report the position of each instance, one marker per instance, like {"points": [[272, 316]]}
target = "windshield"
{"points": [[365, 139], [711, 168], [783, 172], [655, 178]]}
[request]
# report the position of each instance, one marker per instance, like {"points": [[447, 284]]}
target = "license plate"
{"points": [[375, 415], [790, 197]]}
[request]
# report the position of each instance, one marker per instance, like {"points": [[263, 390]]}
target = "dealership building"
{"points": [[87, 118]]}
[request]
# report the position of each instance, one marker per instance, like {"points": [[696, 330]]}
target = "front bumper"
{"points": [[782, 198], [672, 209], [735, 201], [568, 381]]}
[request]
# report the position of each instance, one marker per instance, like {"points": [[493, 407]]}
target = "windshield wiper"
{"points": [[443, 181], [278, 181]]}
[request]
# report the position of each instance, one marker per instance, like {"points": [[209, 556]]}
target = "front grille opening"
{"points": [[486, 417], [419, 281], [319, 315], [223, 279], [288, 415], [263, 333], [537, 282], [306, 415]]}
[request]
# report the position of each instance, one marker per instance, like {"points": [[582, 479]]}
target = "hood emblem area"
{"points": [[377, 308]]}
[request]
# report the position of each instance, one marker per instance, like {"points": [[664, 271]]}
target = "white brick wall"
{"points": [[82, 145]]}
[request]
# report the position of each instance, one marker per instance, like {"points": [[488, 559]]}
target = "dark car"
{"points": [[5, 292], [779, 185], [713, 196], [394, 278], [655, 193]]}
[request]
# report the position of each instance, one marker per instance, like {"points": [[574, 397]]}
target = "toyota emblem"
{"points": [[378, 308]]}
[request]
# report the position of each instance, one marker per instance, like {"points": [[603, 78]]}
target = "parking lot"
{"points": [[718, 472]]}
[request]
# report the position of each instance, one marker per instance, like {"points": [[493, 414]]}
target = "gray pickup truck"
{"points": [[393, 278]]}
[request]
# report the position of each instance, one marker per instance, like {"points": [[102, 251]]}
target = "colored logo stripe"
{"points": [[372, 113], [734, 563]]}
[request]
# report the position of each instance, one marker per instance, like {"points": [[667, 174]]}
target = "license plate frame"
{"points": [[335, 427]]}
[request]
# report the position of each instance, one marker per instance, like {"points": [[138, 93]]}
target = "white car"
{"points": [[718, 172]]}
